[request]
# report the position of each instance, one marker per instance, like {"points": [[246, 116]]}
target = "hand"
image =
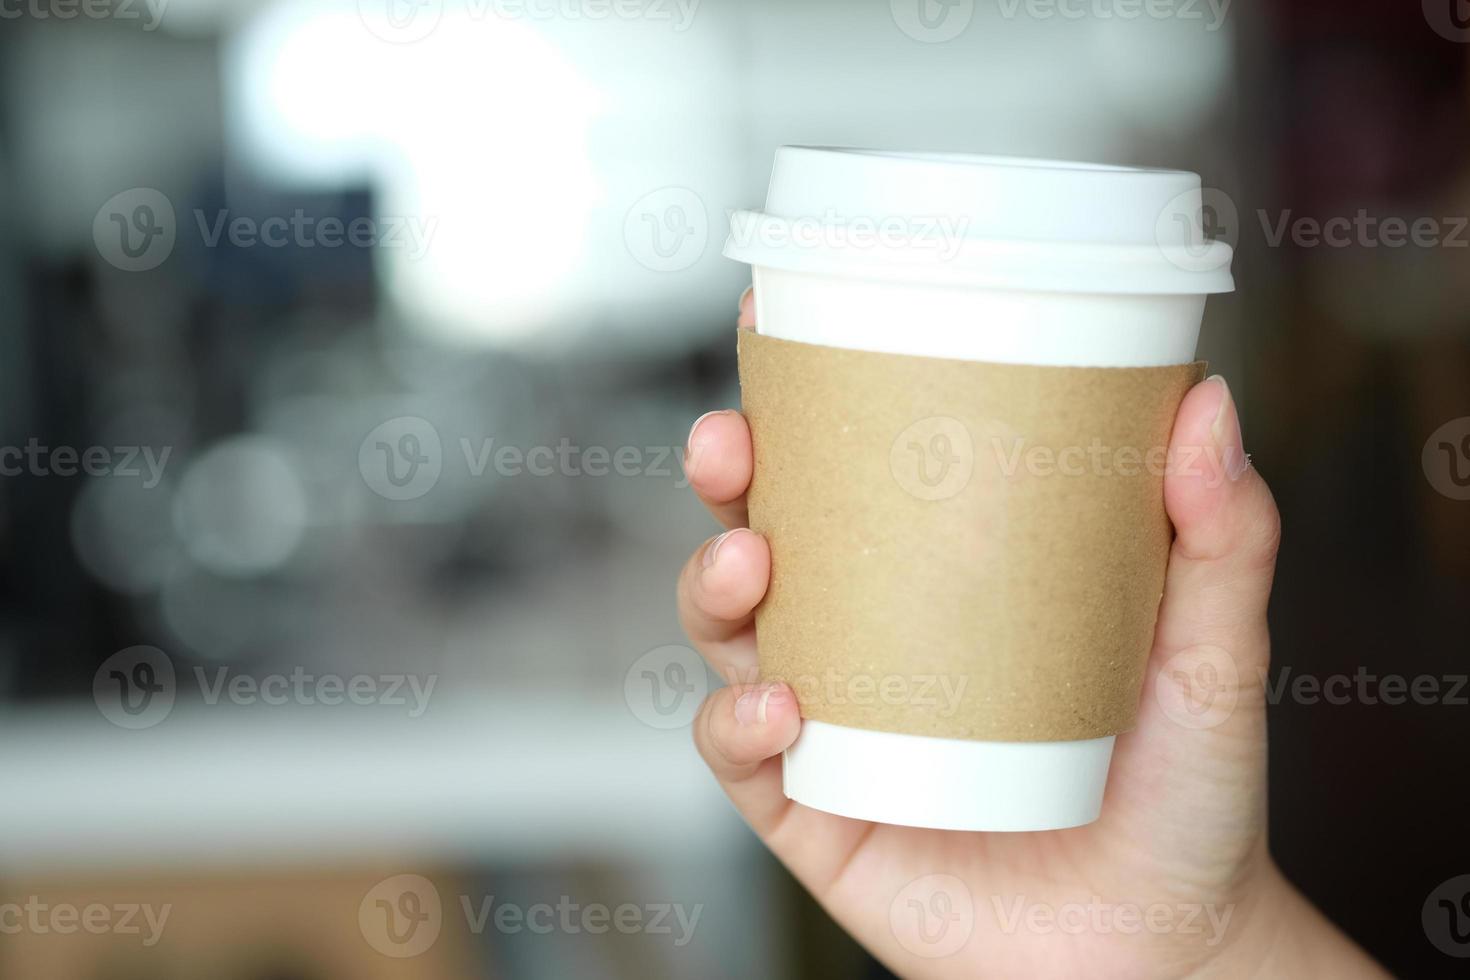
{"points": [[1174, 880]]}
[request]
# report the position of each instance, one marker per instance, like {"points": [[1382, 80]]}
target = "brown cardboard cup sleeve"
{"points": [[959, 549]]}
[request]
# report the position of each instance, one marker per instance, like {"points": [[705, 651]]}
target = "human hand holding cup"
{"points": [[1184, 822]]}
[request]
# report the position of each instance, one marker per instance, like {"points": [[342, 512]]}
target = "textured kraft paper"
{"points": [[959, 549]]}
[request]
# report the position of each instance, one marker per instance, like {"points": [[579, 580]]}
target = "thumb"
{"points": [[1201, 728], [1226, 533]]}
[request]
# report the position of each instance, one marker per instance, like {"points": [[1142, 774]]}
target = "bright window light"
{"points": [[475, 137]]}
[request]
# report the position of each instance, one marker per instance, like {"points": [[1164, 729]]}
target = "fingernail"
{"points": [[689, 458], [689, 440], [752, 707], [740, 303], [711, 554], [1226, 432]]}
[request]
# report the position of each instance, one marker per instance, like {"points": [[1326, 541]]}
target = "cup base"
{"points": [[947, 783]]}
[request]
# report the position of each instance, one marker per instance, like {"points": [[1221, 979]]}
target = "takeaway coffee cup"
{"points": [[972, 258]]}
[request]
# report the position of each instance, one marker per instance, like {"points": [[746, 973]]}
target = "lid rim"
{"points": [[1027, 264], [962, 158]]}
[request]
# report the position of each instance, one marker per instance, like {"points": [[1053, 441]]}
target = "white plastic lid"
{"points": [[995, 222]]}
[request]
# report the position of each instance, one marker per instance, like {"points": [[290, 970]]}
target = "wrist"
{"points": [[1285, 935]]}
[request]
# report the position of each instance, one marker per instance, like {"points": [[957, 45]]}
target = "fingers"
{"points": [[740, 732], [746, 320], [718, 590], [718, 462], [742, 729], [718, 459]]}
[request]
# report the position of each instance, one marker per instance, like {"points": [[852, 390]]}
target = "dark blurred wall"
{"points": [[1357, 354]]}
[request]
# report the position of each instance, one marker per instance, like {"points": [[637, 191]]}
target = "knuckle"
{"points": [[1264, 541], [705, 739], [686, 584]]}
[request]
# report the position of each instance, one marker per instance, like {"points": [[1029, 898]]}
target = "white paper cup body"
{"points": [[1028, 262]]}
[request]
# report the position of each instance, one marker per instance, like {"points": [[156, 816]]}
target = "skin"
{"points": [[1184, 820]]}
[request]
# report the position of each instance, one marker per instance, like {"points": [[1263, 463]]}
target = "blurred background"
{"points": [[347, 353]]}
